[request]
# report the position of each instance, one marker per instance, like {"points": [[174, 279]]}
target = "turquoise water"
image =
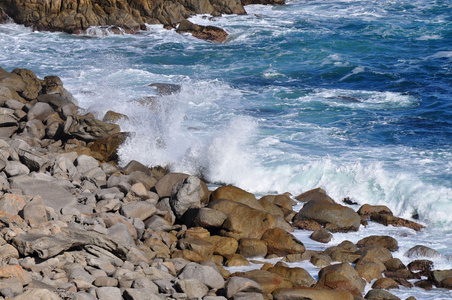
{"points": [[352, 96]]}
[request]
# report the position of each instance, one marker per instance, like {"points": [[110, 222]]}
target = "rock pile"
{"points": [[76, 226]]}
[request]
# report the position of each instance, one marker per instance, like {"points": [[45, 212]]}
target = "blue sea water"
{"points": [[351, 96]]}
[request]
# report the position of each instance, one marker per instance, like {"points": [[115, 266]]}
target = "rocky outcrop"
{"points": [[76, 16], [209, 33]]}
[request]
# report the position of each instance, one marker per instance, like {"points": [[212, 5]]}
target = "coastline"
{"points": [[77, 225]]}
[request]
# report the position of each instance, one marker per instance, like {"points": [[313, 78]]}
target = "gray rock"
{"points": [[248, 296], [88, 128], [102, 264], [139, 294], [35, 211], [108, 205], [15, 168], [240, 284], [34, 160], [13, 284], [142, 210], [63, 167], [105, 281], [38, 294], [108, 293], [84, 296], [193, 288], [35, 128], [53, 195], [14, 104], [85, 163], [423, 251], [157, 223], [77, 272], [145, 283], [96, 176], [208, 217], [214, 298], [207, 275], [185, 195], [46, 246], [40, 111], [121, 233], [12, 204], [164, 186]]}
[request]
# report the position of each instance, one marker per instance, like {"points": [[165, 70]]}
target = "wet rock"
{"points": [[281, 243], [422, 251], [325, 212], [341, 277], [395, 221], [321, 235], [105, 148], [298, 276], [164, 89], [243, 221], [394, 264], [385, 284], [366, 210], [420, 265], [209, 33], [376, 294], [312, 293]]}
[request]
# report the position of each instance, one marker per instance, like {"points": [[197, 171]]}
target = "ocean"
{"points": [[351, 96]]}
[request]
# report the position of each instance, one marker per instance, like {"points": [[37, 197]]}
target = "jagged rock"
{"points": [[54, 86], [33, 85], [386, 220], [186, 194], [111, 116], [46, 246], [105, 149], [88, 128], [210, 33]]}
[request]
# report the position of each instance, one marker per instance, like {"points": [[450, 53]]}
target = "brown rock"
{"points": [[325, 212], [420, 265], [263, 2], [224, 246], [33, 85], [281, 242], [388, 242], [321, 235], [366, 210], [203, 247], [209, 33], [369, 268], [236, 194], [111, 116], [311, 293], [252, 247], [243, 221], [377, 294], [395, 221], [271, 208], [375, 253], [385, 284], [104, 149], [320, 260], [298, 276], [267, 280], [165, 185], [15, 271], [314, 194], [236, 260], [394, 264], [307, 224], [341, 277]]}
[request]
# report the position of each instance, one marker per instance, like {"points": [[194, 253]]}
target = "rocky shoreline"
{"points": [[74, 225], [76, 16]]}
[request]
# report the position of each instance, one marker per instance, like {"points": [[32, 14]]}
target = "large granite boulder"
{"points": [[325, 212]]}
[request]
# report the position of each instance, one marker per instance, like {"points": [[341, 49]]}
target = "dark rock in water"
{"points": [[210, 33], [395, 221], [377, 294], [3, 17], [164, 89]]}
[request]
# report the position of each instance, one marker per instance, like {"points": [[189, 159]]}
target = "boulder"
{"points": [[88, 128], [298, 276], [236, 194], [209, 33], [186, 194], [386, 241], [252, 247], [376, 294], [423, 251], [243, 221], [193, 288], [366, 210], [209, 218], [385, 284], [312, 293], [164, 186], [224, 246], [38, 294], [40, 111], [341, 277], [281, 242], [33, 85], [240, 284], [105, 149], [52, 194], [267, 280], [321, 235], [326, 212], [387, 220], [369, 268], [205, 274]]}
